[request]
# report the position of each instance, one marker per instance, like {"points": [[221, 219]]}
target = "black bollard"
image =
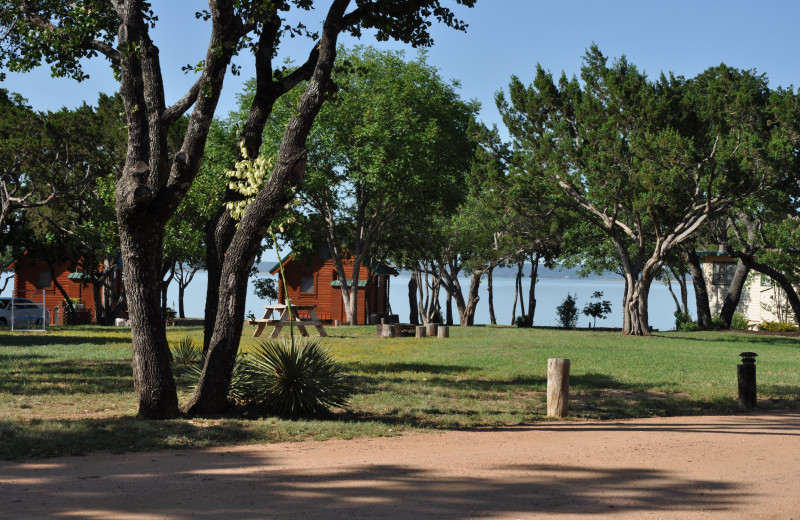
{"points": [[746, 373]]}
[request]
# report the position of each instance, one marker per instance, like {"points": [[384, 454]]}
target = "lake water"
{"points": [[549, 294]]}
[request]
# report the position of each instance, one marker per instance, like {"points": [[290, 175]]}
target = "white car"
{"points": [[26, 312]]}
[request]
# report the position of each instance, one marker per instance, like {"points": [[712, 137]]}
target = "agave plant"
{"points": [[292, 380], [185, 353]]}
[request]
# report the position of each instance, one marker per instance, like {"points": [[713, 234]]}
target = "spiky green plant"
{"points": [[292, 380], [185, 352]]}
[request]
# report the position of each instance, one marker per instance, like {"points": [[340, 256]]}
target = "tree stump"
{"points": [[557, 387], [420, 331], [431, 329], [387, 331], [379, 330], [444, 332]]}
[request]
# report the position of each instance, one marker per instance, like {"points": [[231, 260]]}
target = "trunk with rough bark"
{"points": [[211, 393], [700, 287], [468, 315], [734, 295]]}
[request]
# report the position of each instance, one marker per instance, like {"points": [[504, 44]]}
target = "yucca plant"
{"points": [[185, 352], [291, 380]]}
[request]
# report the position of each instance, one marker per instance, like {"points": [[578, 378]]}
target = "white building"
{"points": [[762, 299]]}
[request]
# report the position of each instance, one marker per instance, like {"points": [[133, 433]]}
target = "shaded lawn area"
{"points": [[70, 391]]}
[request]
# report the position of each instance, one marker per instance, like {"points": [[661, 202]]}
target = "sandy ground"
{"points": [[744, 466]]}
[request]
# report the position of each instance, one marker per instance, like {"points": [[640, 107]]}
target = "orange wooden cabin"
{"points": [[33, 280], [318, 284]]}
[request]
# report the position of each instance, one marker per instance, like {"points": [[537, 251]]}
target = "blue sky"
{"points": [[505, 37]]}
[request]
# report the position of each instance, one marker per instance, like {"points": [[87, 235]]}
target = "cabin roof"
{"points": [[377, 268]]}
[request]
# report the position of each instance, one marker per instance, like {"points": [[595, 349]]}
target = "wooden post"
{"points": [[746, 375], [444, 332], [431, 329], [387, 331], [397, 330], [557, 387], [379, 328], [420, 331]]}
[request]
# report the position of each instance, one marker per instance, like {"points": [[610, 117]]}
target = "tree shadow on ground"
{"points": [[738, 337], [246, 484], [38, 377], [47, 340]]}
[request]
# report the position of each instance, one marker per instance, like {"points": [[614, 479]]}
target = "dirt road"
{"points": [[744, 466]]}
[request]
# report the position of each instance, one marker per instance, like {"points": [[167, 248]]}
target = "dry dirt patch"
{"points": [[743, 466]]}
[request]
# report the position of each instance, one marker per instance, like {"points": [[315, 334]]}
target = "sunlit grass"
{"points": [[70, 390]]}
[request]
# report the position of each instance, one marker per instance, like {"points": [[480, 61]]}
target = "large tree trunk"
{"points": [[211, 393], [734, 294], [152, 376], [467, 317], [700, 288]]}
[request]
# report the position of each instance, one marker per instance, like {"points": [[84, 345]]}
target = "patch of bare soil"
{"points": [[730, 467]]}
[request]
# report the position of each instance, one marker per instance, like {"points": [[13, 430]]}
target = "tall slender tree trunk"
{"points": [[700, 287], [516, 296], [734, 295], [532, 290], [520, 274], [448, 309], [490, 295], [413, 312]]}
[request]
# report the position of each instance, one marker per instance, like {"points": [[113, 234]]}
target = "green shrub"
{"points": [[568, 312], [185, 352], [739, 321], [689, 326], [777, 326], [682, 319], [716, 323], [291, 380]]}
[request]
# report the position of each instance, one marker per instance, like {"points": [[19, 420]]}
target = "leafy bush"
{"points": [[522, 321], [568, 312], [684, 320], [716, 323], [777, 326], [689, 326], [290, 380], [185, 352], [739, 322]]}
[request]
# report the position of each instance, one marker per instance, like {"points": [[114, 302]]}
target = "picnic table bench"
{"points": [[283, 320]]}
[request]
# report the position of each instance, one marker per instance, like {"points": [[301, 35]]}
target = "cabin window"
{"points": [[43, 280], [306, 284], [723, 273]]}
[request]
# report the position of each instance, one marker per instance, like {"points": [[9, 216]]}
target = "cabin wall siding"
{"points": [[328, 299], [26, 275]]}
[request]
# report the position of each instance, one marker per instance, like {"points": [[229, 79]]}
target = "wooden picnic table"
{"points": [[283, 320]]}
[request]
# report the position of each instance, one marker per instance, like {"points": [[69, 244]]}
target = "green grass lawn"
{"points": [[70, 391]]}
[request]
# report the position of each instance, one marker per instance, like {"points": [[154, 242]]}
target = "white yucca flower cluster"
{"points": [[247, 179]]}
